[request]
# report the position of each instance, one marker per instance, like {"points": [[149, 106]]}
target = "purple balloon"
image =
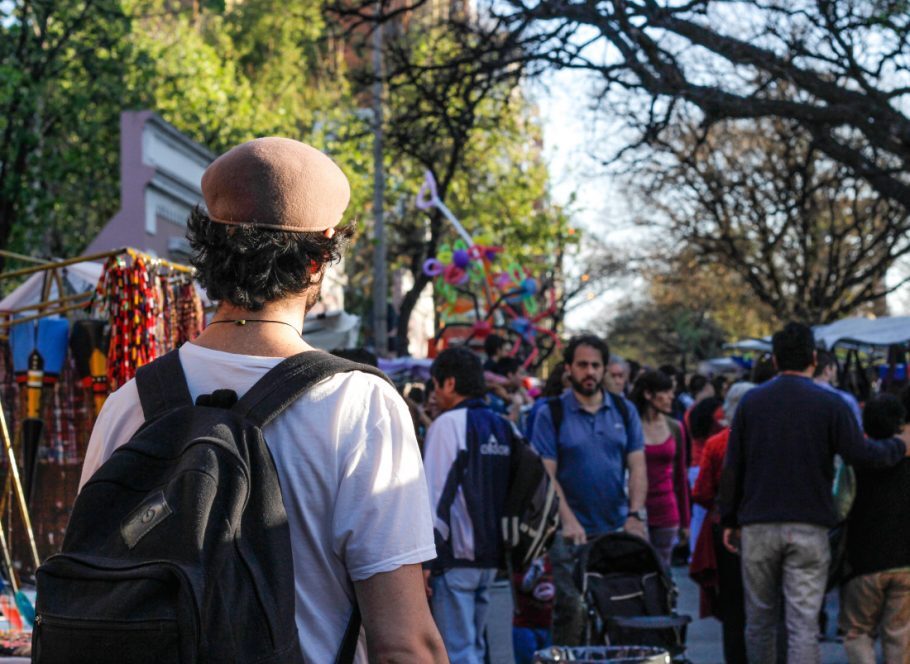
{"points": [[432, 267], [461, 258]]}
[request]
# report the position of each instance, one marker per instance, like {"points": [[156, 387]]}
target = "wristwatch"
{"points": [[641, 515]]}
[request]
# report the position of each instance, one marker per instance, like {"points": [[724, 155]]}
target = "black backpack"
{"points": [[531, 514], [178, 547]]}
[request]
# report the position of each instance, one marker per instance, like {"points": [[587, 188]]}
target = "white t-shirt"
{"points": [[351, 478]]}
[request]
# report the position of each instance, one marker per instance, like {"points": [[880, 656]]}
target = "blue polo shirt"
{"points": [[591, 459]]}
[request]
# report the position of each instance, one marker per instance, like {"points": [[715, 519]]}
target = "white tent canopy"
{"points": [[751, 345], [886, 331], [881, 332], [79, 277], [331, 330]]}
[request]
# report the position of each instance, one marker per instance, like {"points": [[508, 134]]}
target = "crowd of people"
{"points": [[388, 537], [755, 484]]}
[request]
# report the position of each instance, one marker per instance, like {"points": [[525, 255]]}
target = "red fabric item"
{"points": [[535, 595], [703, 566], [698, 444], [668, 497], [712, 462]]}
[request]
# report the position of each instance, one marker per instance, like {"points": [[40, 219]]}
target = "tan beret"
{"points": [[276, 183]]}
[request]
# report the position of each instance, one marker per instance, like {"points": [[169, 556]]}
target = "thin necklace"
{"points": [[244, 321]]}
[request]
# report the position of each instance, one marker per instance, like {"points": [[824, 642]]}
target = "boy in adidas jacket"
{"points": [[467, 457]]}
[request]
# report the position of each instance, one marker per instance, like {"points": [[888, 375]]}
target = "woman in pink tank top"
{"points": [[667, 503]]}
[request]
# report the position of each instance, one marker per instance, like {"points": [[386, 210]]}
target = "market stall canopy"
{"points": [[886, 331], [719, 365], [331, 330], [753, 345], [78, 278], [404, 369], [81, 277]]}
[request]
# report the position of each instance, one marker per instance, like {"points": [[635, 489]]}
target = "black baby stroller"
{"points": [[630, 596]]}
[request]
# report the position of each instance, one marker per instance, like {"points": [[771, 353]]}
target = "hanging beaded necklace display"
{"points": [[190, 316], [151, 310], [129, 297]]}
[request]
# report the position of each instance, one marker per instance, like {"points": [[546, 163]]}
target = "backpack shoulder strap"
{"points": [[348, 649], [557, 414], [623, 409], [286, 382], [675, 429], [162, 385], [677, 432], [272, 395]]}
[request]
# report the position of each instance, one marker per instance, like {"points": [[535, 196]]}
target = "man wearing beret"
{"points": [[345, 452]]}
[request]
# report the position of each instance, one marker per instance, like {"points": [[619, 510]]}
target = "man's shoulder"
{"points": [[781, 390], [122, 401]]}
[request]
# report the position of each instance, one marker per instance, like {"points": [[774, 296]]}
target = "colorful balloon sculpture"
{"points": [[466, 268]]}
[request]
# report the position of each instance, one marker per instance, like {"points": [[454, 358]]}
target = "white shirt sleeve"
{"points": [[120, 417], [440, 450], [382, 518]]}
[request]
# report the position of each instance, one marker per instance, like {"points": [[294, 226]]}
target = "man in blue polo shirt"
{"points": [[599, 438]]}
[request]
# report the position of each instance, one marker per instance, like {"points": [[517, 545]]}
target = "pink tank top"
{"points": [[661, 502]]}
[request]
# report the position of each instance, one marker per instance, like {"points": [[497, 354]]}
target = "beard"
{"points": [[314, 291], [586, 388]]}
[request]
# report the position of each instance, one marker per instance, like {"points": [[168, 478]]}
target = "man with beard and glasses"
{"points": [[596, 438]]}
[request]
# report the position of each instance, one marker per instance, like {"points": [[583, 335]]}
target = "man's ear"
{"points": [[448, 385]]}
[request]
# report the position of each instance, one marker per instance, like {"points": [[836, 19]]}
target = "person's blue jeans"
{"points": [[528, 640], [460, 603]]}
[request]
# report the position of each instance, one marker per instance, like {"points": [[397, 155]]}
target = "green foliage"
{"points": [[61, 90], [673, 333], [480, 139], [225, 72], [69, 68]]}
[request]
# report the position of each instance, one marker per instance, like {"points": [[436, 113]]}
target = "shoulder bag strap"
{"points": [[676, 430], [286, 382], [272, 395], [556, 414], [162, 386], [348, 649], [623, 409]]}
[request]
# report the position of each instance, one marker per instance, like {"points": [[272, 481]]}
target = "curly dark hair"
{"points": [[249, 266]]}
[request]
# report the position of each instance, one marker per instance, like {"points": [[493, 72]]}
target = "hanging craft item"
{"points": [[89, 345], [128, 296], [190, 317], [37, 359], [45, 365], [66, 415], [13, 480]]}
